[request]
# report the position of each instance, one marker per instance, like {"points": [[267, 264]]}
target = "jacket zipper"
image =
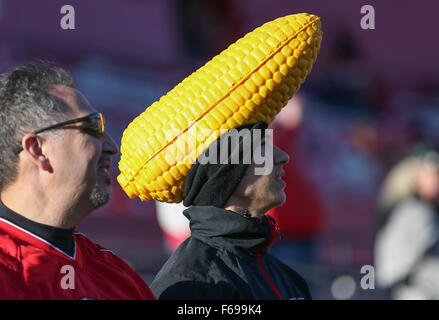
{"points": [[274, 231]]}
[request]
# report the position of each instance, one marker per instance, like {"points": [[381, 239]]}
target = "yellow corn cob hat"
{"points": [[248, 82]]}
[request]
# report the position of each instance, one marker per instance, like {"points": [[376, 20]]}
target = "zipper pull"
{"points": [[279, 232], [281, 236], [246, 214]]}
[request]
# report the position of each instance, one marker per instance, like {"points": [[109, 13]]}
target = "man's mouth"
{"points": [[104, 167], [280, 174], [103, 170]]}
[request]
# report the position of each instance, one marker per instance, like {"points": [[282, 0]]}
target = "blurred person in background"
{"points": [[54, 171], [301, 217], [344, 81], [407, 240], [206, 27]]}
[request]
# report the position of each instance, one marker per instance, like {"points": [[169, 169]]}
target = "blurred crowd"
{"points": [[363, 180]]}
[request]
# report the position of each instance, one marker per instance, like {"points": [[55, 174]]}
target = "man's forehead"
{"points": [[72, 98]]}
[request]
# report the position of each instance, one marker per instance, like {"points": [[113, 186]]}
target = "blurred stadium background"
{"points": [[370, 98]]}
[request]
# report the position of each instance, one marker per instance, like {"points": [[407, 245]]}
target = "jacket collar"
{"points": [[227, 229], [58, 238]]}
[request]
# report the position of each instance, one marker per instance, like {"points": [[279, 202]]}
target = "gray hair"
{"points": [[26, 106]]}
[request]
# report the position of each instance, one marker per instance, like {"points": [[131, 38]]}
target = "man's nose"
{"points": [[108, 145], [280, 156]]}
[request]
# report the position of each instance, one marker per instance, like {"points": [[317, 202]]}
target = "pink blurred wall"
{"points": [[403, 46], [133, 29]]}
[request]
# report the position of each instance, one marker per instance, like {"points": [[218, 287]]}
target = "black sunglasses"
{"points": [[93, 125]]}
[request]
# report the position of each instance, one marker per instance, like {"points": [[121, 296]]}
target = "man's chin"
{"points": [[276, 201], [100, 195], [281, 198]]}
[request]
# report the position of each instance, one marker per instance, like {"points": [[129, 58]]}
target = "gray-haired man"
{"points": [[54, 166]]}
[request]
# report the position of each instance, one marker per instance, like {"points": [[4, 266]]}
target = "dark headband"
{"points": [[213, 184]]}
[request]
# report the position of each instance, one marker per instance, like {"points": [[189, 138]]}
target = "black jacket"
{"points": [[225, 258]]}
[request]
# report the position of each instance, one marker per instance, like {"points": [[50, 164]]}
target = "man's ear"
{"points": [[32, 148]]}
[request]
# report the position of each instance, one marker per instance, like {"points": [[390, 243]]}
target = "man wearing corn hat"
{"points": [[225, 258], [206, 143]]}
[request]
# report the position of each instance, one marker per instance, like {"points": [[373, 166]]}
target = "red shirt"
{"points": [[32, 268]]}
